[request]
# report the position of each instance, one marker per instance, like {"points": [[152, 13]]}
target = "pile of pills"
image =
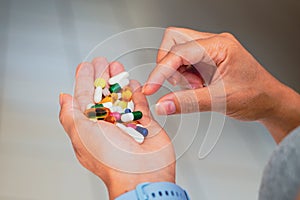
{"points": [[113, 103]]}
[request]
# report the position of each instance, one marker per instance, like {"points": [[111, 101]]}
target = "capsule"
{"points": [[128, 117], [118, 86], [116, 109], [117, 78], [116, 115], [110, 119], [97, 113], [98, 94], [139, 138], [131, 125], [141, 130], [130, 105], [106, 99], [106, 105], [127, 110]]}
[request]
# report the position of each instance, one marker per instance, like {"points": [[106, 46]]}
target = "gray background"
{"points": [[41, 43]]}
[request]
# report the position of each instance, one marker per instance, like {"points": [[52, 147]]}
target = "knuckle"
{"points": [[227, 35], [176, 49], [226, 41], [170, 29]]}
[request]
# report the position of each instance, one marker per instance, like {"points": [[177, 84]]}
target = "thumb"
{"points": [[69, 109], [184, 101]]}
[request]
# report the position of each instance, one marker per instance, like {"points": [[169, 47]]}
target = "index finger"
{"points": [[182, 54], [165, 69], [175, 35]]}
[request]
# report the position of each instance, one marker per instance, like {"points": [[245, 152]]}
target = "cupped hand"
{"points": [[240, 87], [103, 148]]}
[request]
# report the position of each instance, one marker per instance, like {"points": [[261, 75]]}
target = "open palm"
{"points": [[105, 149]]}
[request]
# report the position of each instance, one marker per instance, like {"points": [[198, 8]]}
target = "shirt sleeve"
{"points": [[281, 177]]}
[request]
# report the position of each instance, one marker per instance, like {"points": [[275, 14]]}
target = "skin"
{"points": [[98, 145], [250, 92]]}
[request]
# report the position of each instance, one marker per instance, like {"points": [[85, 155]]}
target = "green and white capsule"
{"points": [[128, 117], [118, 86]]}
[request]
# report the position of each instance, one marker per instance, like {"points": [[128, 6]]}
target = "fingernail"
{"points": [[143, 89], [60, 98], [165, 108], [173, 81]]}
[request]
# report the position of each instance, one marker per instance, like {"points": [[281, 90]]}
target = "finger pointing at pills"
{"points": [[178, 56]]}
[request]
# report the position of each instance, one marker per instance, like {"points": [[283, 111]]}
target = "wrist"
{"points": [[155, 191], [285, 115], [122, 182]]}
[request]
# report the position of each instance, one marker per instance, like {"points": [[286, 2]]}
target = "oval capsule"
{"points": [[98, 94], [139, 138], [117, 78]]}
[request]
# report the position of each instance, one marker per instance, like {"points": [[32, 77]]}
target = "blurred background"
{"points": [[41, 43]]}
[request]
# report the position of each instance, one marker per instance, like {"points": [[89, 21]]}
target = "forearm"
{"points": [[286, 115]]}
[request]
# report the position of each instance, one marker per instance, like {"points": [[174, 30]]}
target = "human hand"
{"points": [[250, 92], [103, 148]]}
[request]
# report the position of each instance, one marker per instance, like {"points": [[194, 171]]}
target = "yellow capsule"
{"points": [[126, 95], [100, 82], [106, 99]]}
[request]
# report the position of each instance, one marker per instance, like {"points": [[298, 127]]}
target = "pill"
{"points": [[122, 104], [90, 105], [100, 82], [105, 92], [126, 95], [139, 138], [130, 105], [106, 105], [98, 94], [106, 99], [142, 130], [127, 110], [116, 109], [117, 78], [128, 117], [97, 113], [110, 119], [115, 96], [102, 113], [116, 115], [131, 125], [118, 86]]}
